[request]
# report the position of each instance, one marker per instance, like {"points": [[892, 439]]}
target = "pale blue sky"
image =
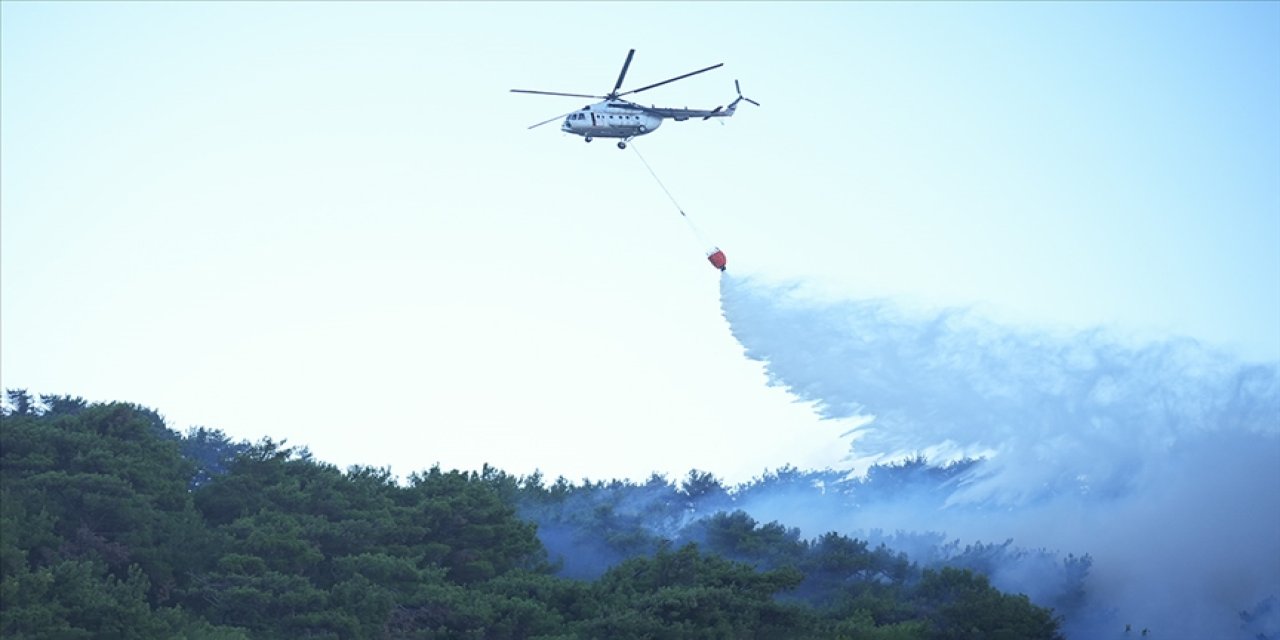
{"points": [[326, 222]]}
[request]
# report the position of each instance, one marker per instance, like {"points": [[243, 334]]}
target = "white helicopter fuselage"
{"points": [[616, 117], [610, 120]]}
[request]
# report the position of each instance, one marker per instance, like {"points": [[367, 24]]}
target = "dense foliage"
{"points": [[590, 526], [111, 525]]}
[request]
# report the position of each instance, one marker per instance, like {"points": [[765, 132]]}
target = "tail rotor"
{"points": [[741, 97], [733, 106]]}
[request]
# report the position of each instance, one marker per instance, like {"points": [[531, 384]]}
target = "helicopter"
{"points": [[614, 117]]}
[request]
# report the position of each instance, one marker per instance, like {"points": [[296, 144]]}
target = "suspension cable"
{"points": [[659, 180], [701, 237]]}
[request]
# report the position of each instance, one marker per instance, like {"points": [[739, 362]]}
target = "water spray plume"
{"points": [[1161, 460]]}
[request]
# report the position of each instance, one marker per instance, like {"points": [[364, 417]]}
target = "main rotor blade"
{"points": [[659, 84], [555, 93], [553, 119], [617, 85]]}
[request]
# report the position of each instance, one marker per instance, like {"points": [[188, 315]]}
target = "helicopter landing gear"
{"points": [[622, 145], [589, 138]]}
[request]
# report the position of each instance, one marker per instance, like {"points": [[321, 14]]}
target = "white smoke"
{"points": [[1161, 461]]}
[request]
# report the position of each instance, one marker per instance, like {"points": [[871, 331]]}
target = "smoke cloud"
{"points": [[1159, 461]]}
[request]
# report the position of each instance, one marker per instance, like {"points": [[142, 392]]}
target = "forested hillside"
{"points": [[114, 526]]}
